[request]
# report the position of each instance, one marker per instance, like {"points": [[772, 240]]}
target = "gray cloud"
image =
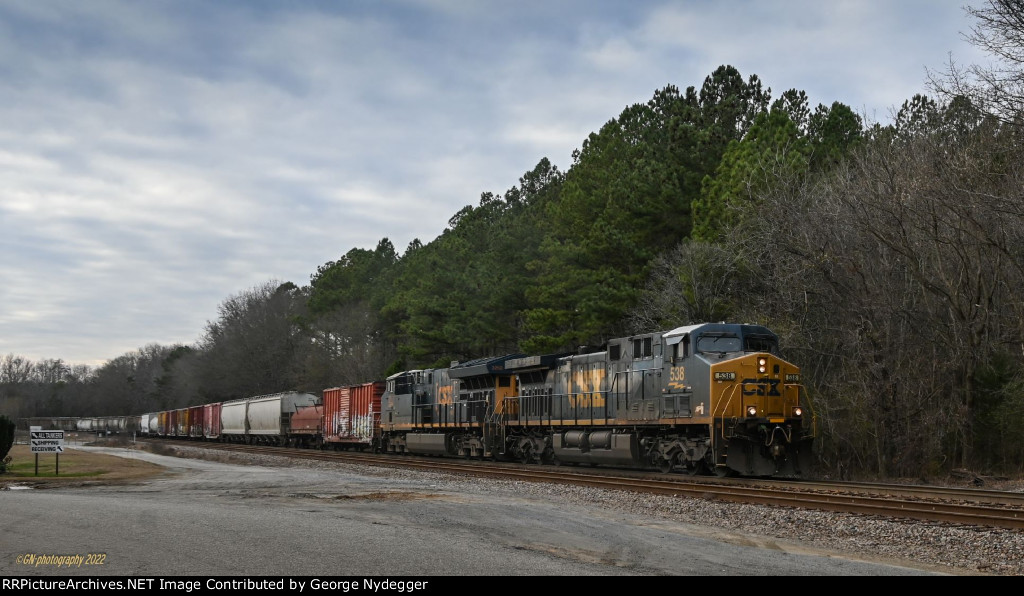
{"points": [[160, 157]]}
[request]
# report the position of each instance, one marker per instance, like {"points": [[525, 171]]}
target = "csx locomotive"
{"points": [[714, 398], [709, 398]]}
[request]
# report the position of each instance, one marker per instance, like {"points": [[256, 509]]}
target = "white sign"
{"points": [[47, 441]]}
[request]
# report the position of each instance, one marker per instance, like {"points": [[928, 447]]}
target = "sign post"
{"points": [[33, 429], [47, 441]]}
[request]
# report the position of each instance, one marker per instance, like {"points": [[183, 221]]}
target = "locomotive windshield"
{"points": [[718, 343], [724, 343]]}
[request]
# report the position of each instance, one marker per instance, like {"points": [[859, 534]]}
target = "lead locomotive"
{"points": [[710, 398]]}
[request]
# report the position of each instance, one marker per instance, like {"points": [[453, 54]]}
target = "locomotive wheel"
{"points": [[665, 463]]}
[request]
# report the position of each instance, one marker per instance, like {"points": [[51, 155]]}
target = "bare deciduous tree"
{"points": [[251, 348], [895, 280], [998, 88], [344, 347], [694, 283]]}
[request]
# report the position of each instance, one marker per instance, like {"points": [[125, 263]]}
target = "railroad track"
{"points": [[958, 506]]}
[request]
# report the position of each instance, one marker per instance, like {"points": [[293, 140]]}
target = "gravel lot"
{"points": [[954, 550], [551, 529]]}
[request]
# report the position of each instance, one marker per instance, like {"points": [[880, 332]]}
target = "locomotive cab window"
{"points": [[615, 351], [681, 350], [760, 343], [718, 343]]}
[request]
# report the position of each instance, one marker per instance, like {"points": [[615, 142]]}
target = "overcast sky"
{"points": [[158, 157]]}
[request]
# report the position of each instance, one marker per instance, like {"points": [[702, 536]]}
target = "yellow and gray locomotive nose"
{"points": [[757, 385]]}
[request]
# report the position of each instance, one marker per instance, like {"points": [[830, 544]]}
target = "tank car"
{"points": [[710, 398]]}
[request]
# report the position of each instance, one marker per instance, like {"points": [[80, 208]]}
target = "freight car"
{"points": [[344, 418], [211, 421], [265, 419], [351, 416], [108, 425], [66, 423], [710, 398]]}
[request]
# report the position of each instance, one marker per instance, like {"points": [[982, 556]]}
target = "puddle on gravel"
{"points": [[374, 496]]}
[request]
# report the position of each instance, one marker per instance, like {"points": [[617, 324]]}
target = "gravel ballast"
{"points": [[963, 550]]}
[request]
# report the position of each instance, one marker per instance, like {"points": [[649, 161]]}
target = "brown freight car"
{"points": [[307, 427], [211, 421], [351, 415]]}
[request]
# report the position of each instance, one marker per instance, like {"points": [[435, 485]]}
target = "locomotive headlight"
{"points": [[798, 412], [762, 365], [751, 411]]}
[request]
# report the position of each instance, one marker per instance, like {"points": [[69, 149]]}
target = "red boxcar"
{"points": [[172, 423], [351, 414], [195, 422], [211, 421]]}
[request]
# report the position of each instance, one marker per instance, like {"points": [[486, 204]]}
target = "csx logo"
{"points": [[586, 388], [444, 395], [756, 387]]}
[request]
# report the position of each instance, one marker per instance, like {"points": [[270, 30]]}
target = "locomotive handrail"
{"points": [[533, 410], [577, 401], [461, 410], [725, 403], [588, 398]]}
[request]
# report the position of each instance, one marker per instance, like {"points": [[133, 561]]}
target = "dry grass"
{"points": [[77, 468]]}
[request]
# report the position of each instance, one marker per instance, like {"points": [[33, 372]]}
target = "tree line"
{"points": [[888, 257]]}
